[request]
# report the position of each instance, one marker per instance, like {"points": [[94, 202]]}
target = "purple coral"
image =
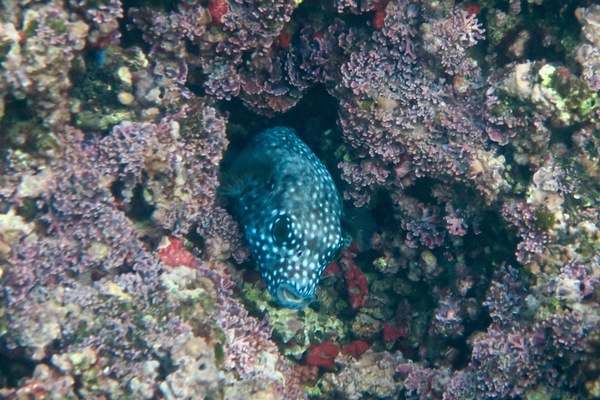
{"points": [[449, 38], [534, 240], [408, 124], [178, 167], [86, 253], [506, 364], [245, 27], [424, 229]]}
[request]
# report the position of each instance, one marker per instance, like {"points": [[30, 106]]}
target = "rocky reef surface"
{"points": [[464, 136]]}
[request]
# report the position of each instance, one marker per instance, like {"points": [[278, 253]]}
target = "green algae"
{"points": [[574, 99], [98, 120], [95, 99], [219, 352], [4, 322], [294, 330], [544, 219], [28, 134], [30, 28]]}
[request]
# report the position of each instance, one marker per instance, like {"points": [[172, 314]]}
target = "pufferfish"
{"points": [[290, 210]]}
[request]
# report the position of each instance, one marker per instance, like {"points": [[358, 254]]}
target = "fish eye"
{"points": [[282, 232]]}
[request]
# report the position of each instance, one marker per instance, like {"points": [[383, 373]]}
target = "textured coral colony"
{"points": [[464, 137]]}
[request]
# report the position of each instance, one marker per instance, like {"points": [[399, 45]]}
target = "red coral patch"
{"points": [[356, 348], [332, 269], [323, 355], [379, 16], [392, 333], [357, 283], [217, 8], [284, 39], [173, 253]]}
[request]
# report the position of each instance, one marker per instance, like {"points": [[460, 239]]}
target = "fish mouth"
{"points": [[288, 297]]}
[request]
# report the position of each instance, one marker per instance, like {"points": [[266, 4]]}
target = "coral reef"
{"points": [[464, 136], [372, 375], [85, 292]]}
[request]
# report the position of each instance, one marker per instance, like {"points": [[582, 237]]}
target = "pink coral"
{"points": [[450, 37], [387, 115], [240, 26], [534, 240], [217, 9], [178, 167]]}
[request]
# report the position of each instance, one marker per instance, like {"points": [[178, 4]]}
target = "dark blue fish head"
{"points": [[290, 210]]}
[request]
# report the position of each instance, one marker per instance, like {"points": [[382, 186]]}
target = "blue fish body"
{"points": [[290, 211]]}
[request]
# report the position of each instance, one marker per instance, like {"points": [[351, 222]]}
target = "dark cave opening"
{"points": [[14, 366], [487, 249]]}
